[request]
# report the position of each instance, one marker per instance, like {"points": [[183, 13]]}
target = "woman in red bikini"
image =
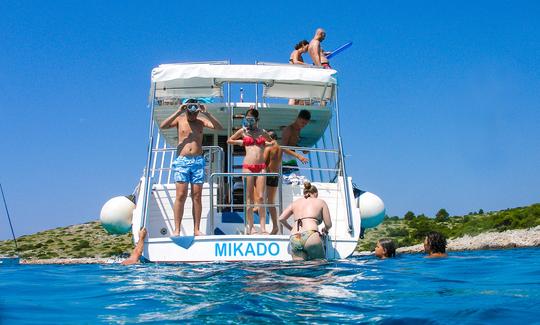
{"points": [[254, 140]]}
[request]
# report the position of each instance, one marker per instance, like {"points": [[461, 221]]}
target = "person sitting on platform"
{"points": [[310, 211], [254, 140], [189, 163]]}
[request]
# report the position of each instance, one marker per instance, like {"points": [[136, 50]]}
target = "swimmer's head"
{"points": [[385, 248], [310, 190], [435, 242]]}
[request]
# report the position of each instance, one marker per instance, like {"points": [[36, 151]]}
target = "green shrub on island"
{"points": [[91, 240], [77, 241], [412, 229]]}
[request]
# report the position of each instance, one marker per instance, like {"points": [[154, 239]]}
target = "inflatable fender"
{"points": [[371, 208], [116, 215]]}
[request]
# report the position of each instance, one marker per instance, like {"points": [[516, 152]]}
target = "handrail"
{"points": [[233, 174], [336, 151], [346, 185], [147, 187], [211, 150]]}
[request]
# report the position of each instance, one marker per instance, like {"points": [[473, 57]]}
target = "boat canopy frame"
{"points": [[207, 79]]}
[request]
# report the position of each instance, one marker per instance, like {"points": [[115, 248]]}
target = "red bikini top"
{"points": [[249, 141]]}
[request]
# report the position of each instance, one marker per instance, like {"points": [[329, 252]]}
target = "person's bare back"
{"points": [[272, 157], [310, 211], [306, 241], [290, 136]]}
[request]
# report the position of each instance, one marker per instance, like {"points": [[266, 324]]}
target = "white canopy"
{"points": [[206, 80]]}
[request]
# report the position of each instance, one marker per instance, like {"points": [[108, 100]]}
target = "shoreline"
{"points": [[517, 238]]}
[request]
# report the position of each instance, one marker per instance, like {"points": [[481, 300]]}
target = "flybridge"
{"points": [[207, 80]]}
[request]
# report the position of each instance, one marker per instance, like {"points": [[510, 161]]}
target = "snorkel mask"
{"points": [[192, 105], [192, 108], [249, 122]]}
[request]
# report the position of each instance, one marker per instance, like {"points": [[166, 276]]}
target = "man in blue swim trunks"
{"points": [[189, 164]]}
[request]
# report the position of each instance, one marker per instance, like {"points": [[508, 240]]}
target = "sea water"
{"points": [[497, 286]]}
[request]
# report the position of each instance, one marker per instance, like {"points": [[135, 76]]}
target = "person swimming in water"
{"points": [[135, 256], [385, 248], [309, 212], [435, 245], [255, 141]]}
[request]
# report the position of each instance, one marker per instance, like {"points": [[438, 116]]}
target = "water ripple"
{"points": [[472, 287]]}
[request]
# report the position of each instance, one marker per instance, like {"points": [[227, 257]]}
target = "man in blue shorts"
{"points": [[189, 165]]}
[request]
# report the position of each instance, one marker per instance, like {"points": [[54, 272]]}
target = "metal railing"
{"points": [[245, 204], [163, 173]]}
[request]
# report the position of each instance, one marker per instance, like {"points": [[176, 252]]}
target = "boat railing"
{"points": [[305, 66], [164, 172], [245, 204], [330, 166]]}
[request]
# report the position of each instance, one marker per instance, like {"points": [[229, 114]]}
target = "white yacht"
{"points": [[223, 217]]}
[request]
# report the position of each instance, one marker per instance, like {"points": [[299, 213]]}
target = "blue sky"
{"points": [[442, 99]]}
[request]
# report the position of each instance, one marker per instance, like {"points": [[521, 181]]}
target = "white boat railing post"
{"points": [[245, 204], [229, 146], [147, 185], [343, 168]]}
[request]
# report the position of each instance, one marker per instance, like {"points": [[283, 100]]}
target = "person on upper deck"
{"points": [[189, 163], [291, 136], [299, 49], [309, 212], [255, 141], [318, 55], [273, 155]]}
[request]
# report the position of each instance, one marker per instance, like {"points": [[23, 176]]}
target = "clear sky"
{"points": [[442, 99]]}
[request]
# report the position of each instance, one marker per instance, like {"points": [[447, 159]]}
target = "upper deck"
{"points": [[273, 86]]}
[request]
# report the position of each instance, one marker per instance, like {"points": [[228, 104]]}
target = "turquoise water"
{"points": [[499, 286]]}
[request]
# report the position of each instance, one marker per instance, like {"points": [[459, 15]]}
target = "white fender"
{"points": [[116, 215], [371, 208]]}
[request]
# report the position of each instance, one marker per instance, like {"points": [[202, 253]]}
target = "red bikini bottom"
{"points": [[254, 168]]}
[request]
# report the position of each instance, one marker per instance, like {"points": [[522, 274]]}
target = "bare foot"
{"points": [[263, 232], [251, 231], [274, 231], [176, 233], [198, 233]]}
